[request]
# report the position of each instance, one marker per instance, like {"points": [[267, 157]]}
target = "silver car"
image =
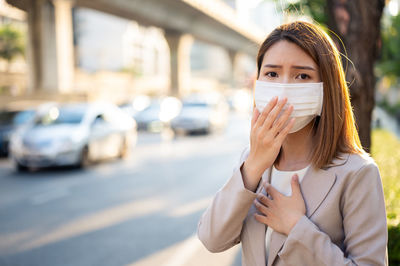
{"points": [[201, 117], [73, 134]]}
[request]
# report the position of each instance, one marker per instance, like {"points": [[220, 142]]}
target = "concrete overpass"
{"points": [[51, 60]]}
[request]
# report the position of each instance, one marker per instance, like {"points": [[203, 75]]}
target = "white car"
{"points": [[73, 134]]}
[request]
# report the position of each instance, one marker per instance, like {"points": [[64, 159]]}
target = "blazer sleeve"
{"points": [[220, 226], [364, 225]]}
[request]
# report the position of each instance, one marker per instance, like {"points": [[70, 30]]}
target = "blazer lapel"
{"points": [[315, 186], [257, 230]]}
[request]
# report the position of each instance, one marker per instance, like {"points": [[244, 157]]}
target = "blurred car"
{"points": [[197, 116], [158, 114], [149, 118], [139, 103], [10, 120], [73, 134]]}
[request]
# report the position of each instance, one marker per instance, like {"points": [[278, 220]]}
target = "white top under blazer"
{"points": [[280, 180]]}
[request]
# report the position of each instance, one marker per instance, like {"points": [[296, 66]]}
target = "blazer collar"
{"points": [[339, 160], [315, 186]]}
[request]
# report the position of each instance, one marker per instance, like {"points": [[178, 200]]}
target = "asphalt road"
{"points": [[139, 211]]}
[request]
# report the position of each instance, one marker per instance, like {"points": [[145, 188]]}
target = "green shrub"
{"points": [[391, 109], [394, 245], [386, 152]]}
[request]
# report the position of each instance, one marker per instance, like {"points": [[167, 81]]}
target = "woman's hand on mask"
{"points": [[266, 137], [280, 212]]}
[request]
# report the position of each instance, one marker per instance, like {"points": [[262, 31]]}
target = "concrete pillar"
{"points": [[33, 46], [50, 46], [64, 44], [233, 72], [179, 47], [49, 82]]}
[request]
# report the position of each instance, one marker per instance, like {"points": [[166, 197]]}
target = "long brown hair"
{"points": [[334, 131]]}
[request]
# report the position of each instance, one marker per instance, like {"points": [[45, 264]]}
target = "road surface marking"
{"points": [[99, 220], [49, 196], [191, 207], [189, 252]]}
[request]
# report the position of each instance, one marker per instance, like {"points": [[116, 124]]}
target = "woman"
{"points": [[304, 192]]}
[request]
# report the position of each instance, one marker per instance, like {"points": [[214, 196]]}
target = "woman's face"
{"points": [[285, 62]]}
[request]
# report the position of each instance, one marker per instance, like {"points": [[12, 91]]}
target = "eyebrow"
{"points": [[296, 67]]}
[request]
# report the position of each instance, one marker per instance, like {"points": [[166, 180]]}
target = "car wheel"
{"points": [[84, 161], [21, 168], [124, 149]]}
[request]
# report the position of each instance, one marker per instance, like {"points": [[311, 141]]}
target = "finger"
{"points": [[261, 207], [278, 125], [283, 133], [264, 200], [266, 111], [274, 113], [296, 191], [261, 218], [256, 113], [272, 191]]}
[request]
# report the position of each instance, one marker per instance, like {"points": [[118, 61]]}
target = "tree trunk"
{"points": [[357, 24]]}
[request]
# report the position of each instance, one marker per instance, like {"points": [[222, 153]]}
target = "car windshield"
{"points": [[6, 117], [62, 115], [194, 104], [153, 109], [23, 117]]}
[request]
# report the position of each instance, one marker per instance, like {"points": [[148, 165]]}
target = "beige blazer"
{"points": [[345, 221]]}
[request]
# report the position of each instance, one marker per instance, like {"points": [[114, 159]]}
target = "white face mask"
{"points": [[306, 99]]}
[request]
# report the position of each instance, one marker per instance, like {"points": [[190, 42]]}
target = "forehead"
{"points": [[287, 53]]}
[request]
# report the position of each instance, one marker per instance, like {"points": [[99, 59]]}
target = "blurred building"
{"points": [[13, 75], [143, 53], [114, 50], [231, 3], [98, 40], [94, 49], [107, 42], [266, 14], [10, 14], [145, 50], [215, 62]]}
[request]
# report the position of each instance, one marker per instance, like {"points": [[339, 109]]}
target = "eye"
{"points": [[271, 74], [303, 76]]}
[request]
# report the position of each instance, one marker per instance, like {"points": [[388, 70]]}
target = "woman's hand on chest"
{"points": [[280, 212]]}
